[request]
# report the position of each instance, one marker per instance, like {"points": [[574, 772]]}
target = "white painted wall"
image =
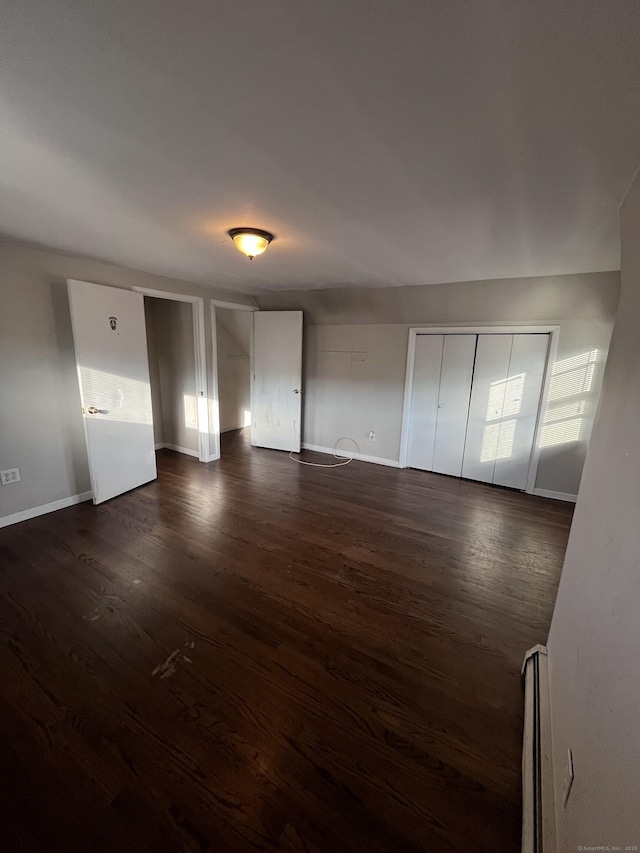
{"points": [[354, 382], [356, 348], [40, 420], [173, 383], [233, 330], [595, 633]]}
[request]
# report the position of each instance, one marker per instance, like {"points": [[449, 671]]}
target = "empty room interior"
{"points": [[319, 444]]}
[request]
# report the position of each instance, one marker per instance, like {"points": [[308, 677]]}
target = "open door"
{"points": [[113, 373], [276, 401]]}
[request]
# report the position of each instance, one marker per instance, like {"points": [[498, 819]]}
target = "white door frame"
{"points": [[200, 354], [215, 406], [538, 329]]}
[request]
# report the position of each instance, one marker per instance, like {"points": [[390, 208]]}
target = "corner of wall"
{"points": [[595, 631]]}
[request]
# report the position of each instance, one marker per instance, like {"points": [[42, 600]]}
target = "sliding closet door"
{"points": [[453, 403], [487, 403], [424, 401], [520, 410]]}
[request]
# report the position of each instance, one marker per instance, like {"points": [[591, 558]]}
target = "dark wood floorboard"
{"points": [[259, 655]]}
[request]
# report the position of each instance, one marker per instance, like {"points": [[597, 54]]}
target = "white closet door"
{"points": [[520, 410], [424, 401], [453, 403], [487, 402]]}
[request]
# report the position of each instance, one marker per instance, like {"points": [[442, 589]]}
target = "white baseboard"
{"points": [[377, 460], [556, 496], [177, 449], [160, 446], [35, 511]]}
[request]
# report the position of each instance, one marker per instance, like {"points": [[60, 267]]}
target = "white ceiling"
{"points": [[386, 142]]}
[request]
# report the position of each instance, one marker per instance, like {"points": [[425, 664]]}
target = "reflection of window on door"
{"points": [[505, 401], [569, 394], [495, 380]]}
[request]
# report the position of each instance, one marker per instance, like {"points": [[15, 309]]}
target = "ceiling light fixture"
{"points": [[250, 241]]}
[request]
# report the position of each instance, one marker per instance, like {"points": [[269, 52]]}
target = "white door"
{"points": [[505, 399], [453, 403], [424, 401], [276, 401], [113, 372], [520, 410], [487, 403]]}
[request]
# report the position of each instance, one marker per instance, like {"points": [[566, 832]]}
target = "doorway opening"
{"points": [[233, 345], [177, 372]]}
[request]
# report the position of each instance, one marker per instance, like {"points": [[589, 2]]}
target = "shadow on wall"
{"points": [[568, 419], [570, 394]]}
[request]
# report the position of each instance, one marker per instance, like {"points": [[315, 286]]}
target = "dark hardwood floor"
{"points": [[259, 655]]}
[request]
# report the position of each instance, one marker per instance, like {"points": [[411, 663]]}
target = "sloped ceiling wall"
{"points": [[524, 300]]}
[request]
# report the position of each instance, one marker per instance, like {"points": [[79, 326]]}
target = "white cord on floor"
{"points": [[345, 460]]}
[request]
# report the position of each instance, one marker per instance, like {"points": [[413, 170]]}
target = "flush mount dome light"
{"points": [[250, 241]]}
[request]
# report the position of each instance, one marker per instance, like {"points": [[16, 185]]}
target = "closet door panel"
{"points": [[520, 410], [424, 401], [487, 402], [453, 403]]}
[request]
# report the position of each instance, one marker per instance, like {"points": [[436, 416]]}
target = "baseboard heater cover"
{"points": [[538, 807]]}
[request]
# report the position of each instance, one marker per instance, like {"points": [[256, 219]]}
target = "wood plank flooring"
{"points": [[259, 655]]}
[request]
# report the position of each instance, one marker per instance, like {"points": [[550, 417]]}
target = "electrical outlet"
{"points": [[568, 776], [372, 435], [11, 475]]}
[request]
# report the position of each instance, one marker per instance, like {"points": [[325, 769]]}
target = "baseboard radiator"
{"points": [[538, 815]]}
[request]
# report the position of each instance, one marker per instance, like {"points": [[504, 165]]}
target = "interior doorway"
{"points": [[178, 372], [233, 350]]}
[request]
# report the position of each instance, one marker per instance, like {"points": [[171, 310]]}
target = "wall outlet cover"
{"points": [[10, 475]]}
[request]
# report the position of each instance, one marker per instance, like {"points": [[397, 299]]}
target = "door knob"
{"points": [[296, 390], [92, 410]]}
